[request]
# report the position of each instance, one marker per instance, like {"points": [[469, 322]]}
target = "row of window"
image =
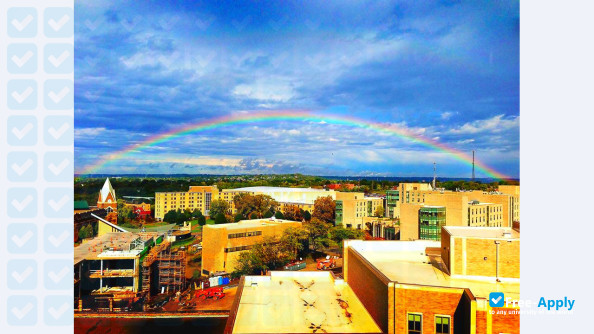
{"points": [[244, 234], [237, 249], [415, 324]]}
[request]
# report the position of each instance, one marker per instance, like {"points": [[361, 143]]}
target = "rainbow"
{"points": [[296, 115]]}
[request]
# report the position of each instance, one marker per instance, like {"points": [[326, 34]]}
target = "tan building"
{"points": [[352, 208], [430, 209], [223, 243], [298, 302], [406, 286], [197, 197]]}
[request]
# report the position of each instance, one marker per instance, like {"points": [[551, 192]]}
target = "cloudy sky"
{"points": [[444, 70]]}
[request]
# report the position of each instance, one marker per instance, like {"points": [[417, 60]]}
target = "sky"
{"points": [[444, 70]]}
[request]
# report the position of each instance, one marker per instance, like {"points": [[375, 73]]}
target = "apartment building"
{"points": [[438, 287], [353, 207], [223, 243]]}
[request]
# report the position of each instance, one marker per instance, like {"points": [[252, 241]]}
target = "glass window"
{"points": [[442, 324], [414, 323]]}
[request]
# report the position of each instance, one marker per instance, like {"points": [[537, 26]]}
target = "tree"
{"points": [[293, 212], [268, 214], [238, 217], [218, 206], [220, 218], [318, 233], [270, 254], [379, 211], [254, 215], [306, 215], [247, 204], [279, 215], [324, 209], [295, 239], [201, 220], [338, 234], [85, 232]]}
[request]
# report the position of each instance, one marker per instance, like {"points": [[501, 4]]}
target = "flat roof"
{"points": [[93, 249], [407, 262], [300, 302], [251, 223], [483, 232], [278, 189]]}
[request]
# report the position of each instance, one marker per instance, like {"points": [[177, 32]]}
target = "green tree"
{"points": [[338, 234], [379, 211], [247, 204], [270, 254], [324, 209], [218, 206], [220, 218], [318, 233], [201, 220], [238, 217], [293, 212], [254, 215], [294, 239], [306, 215], [279, 215], [268, 214]]}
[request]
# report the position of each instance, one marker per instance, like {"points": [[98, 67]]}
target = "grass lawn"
{"points": [[198, 228]]}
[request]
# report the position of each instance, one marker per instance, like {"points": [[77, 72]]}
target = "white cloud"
{"points": [[265, 91], [494, 124]]}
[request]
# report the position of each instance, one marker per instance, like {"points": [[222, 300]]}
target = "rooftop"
{"points": [[419, 262], [278, 189], [483, 232], [114, 244], [242, 224], [300, 302]]}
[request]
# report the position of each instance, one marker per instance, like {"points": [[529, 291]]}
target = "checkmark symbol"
{"points": [[59, 240], [20, 170], [21, 97], [20, 134], [496, 300], [21, 25], [22, 240], [21, 313], [59, 168], [21, 277], [58, 277], [60, 23], [59, 132], [58, 97], [57, 61], [59, 204], [58, 313], [21, 61], [20, 206]]}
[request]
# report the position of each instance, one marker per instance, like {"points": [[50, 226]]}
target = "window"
{"points": [[414, 323], [442, 324]]}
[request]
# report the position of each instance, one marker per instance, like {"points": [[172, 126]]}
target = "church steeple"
{"points": [[107, 197]]}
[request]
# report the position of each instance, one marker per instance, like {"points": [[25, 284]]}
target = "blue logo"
{"points": [[496, 299]]}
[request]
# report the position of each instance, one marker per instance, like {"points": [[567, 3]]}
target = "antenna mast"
{"points": [[434, 175]]}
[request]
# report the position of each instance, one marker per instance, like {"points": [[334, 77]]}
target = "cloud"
{"points": [[497, 123]]}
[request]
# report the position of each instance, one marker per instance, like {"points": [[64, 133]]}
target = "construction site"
{"points": [[121, 271]]}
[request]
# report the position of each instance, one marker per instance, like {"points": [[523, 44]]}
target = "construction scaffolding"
{"points": [[163, 269]]}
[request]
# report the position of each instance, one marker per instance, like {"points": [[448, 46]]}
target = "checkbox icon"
{"points": [[496, 299], [21, 202], [58, 22], [58, 238], [22, 94], [21, 310], [58, 131], [22, 22], [21, 130], [21, 58], [58, 166], [58, 94], [21, 166], [58, 274], [21, 274], [58, 58], [58, 202], [21, 238], [58, 310]]}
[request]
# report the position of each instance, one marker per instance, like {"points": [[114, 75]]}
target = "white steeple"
{"points": [[105, 191]]}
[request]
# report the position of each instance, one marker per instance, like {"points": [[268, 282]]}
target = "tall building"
{"points": [[107, 197], [419, 209], [353, 207], [223, 243], [438, 287]]}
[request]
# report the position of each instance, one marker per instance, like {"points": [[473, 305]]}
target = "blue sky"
{"points": [[447, 70]]}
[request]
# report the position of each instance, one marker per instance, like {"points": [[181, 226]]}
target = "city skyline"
{"points": [[446, 72]]}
